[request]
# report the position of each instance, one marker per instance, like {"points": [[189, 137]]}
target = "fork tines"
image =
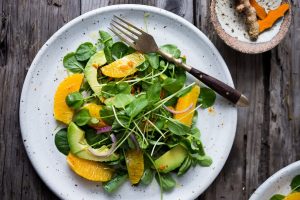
{"points": [[126, 31]]}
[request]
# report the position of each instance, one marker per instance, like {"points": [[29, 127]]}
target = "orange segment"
{"points": [[184, 102], [293, 196], [135, 165], [124, 66], [62, 112], [94, 110], [90, 170]]}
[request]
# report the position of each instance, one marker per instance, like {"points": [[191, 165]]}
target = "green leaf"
{"points": [[143, 66], [136, 106], [130, 50], [112, 89], [92, 138], [74, 100], [277, 197], [108, 54], [159, 123], [123, 119], [143, 143], [178, 128], [153, 92], [207, 97], [119, 49], [172, 85], [195, 118], [184, 92], [204, 161], [107, 115], [195, 131], [171, 49], [123, 87], [82, 117], [153, 60], [193, 144], [115, 183], [70, 63], [167, 182], [185, 166], [61, 141], [120, 100], [85, 51], [147, 176], [105, 38], [172, 102], [295, 184]]}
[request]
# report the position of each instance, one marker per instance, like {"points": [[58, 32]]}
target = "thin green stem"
{"points": [[159, 177]]}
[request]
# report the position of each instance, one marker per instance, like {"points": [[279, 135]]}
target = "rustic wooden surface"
{"points": [[268, 132]]}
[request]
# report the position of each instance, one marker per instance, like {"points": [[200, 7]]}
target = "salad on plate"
{"points": [[128, 115], [295, 191]]}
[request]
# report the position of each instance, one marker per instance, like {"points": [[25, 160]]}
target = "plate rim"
{"points": [[100, 10], [270, 181]]}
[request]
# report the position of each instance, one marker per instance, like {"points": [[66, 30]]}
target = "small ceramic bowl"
{"points": [[231, 28]]}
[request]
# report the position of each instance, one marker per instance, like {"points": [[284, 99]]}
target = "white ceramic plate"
{"points": [[278, 183], [37, 123]]}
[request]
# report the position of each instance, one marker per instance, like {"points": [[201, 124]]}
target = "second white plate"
{"points": [[279, 183]]}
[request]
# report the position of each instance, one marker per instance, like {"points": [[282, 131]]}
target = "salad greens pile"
{"points": [[136, 114]]}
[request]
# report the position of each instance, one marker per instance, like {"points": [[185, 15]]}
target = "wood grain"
{"points": [[239, 177], [268, 132], [29, 25]]}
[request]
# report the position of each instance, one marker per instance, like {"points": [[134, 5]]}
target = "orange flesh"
{"points": [[135, 165], [62, 112], [90, 170], [184, 102], [293, 196], [94, 110]]}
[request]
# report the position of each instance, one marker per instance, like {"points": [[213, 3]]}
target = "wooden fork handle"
{"points": [[218, 86]]}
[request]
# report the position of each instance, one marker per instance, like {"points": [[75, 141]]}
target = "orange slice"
{"points": [[90, 170], [94, 110], [123, 67], [135, 165], [184, 102], [293, 196], [62, 112]]}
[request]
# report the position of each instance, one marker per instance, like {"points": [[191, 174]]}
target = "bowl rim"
{"points": [[98, 11], [270, 181], [247, 47]]}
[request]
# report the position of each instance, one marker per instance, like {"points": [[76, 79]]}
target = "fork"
{"points": [[145, 43]]}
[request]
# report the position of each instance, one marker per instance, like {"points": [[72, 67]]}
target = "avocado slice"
{"points": [[90, 70], [171, 159], [79, 146]]}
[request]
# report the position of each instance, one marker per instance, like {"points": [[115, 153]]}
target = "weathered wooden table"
{"points": [[268, 132]]}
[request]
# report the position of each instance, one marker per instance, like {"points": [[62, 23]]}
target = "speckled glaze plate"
{"points": [[231, 28], [46, 71], [278, 183]]}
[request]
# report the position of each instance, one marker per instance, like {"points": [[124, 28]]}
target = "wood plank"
{"points": [[29, 25], [284, 89], [87, 5], [239, 176]]}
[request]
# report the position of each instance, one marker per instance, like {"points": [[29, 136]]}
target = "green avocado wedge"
{"points": [[171, 160], [79, 146], [91, 72]]}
